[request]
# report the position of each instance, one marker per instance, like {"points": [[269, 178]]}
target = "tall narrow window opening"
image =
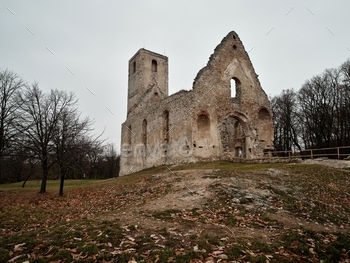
{"points": [[134, 67], [166, 126], [129, 135], [144, 132], [235, 88], [154, 65]]}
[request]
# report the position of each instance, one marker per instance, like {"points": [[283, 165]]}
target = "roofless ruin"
{"points": [[226, 114]]}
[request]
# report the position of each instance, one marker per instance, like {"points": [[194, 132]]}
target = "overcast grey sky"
{"points": [[84, 46]]}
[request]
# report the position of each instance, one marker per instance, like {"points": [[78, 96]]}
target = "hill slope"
{"points": [[205, 212]]}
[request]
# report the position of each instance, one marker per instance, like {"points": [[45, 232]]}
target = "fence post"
{"points": [[338, 152], [311, 154]]}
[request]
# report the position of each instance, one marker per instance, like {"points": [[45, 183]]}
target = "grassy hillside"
{"points": [[204, 212]]}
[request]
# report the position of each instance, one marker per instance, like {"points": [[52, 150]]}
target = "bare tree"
{"points": [[94, 151], [111, 158], [286, 123], [318, 115], [319, 101], [40, 114], [40, 131], [68, 139], [10, 85], [344, 104]]}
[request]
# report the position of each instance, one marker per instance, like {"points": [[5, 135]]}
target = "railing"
{"points": [[339, 153]]}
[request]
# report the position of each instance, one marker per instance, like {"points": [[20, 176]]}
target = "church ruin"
{"points": [[226, 115]]}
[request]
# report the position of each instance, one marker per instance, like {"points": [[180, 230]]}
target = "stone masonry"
{"points": [[226, 115]]}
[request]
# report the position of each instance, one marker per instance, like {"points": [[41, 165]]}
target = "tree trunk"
{"points": [[91, 171], [29, 175], [24, 182], [44, 179], [1, 181], [61, 182], [2, 166]]}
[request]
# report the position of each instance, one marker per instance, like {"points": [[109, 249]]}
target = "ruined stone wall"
{"points": [[249, 109], [205, 123], [163, 144]]}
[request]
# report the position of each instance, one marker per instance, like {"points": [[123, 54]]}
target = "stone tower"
{"points": [[148, 79]]}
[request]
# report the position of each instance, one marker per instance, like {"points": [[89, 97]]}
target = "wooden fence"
{"points": [[339, 153]]}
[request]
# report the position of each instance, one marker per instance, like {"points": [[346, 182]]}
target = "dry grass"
{"points": [[253, 212]]}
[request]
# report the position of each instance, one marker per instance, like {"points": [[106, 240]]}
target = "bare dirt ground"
{"points": [[342, 164], [209, 212]]}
